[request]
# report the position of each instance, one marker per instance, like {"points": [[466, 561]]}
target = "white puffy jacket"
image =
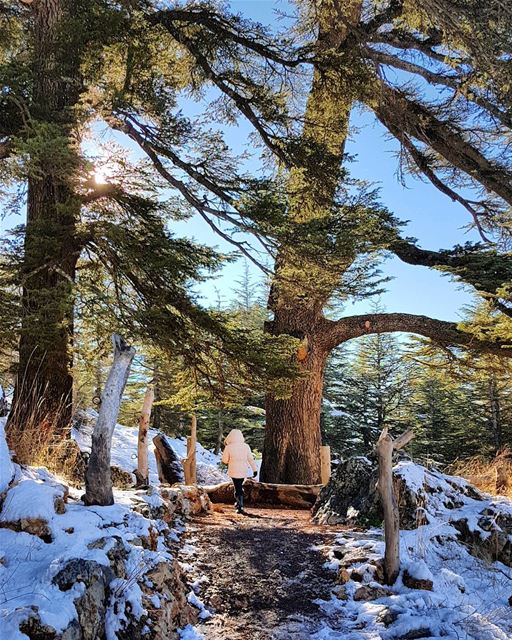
{"points": [[237, 455]]}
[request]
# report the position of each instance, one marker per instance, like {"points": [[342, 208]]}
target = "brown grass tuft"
{"points": [[491, 475], [42, 442]]}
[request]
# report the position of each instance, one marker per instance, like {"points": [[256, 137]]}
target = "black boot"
{"points": [[240, 507]]}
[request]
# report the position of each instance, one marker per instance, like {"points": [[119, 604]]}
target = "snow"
{"points": [[30, 499], [29, 563], [124, 450], [6, 466], [469, 600], [418, 569], [190, 633], [195, 601]]}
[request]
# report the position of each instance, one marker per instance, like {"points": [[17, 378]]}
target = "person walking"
{"points": [[238, 456]]}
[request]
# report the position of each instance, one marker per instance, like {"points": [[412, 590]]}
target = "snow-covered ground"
{"points": [[124, 451], [44, 531], [469, 599]]}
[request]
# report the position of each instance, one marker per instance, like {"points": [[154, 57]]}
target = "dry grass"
{"points": [[42, 441], [491, 475]]}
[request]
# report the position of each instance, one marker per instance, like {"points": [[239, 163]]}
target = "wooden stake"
{"points": [[325, 463], [189, 464], [385, 448], [142, 471]]}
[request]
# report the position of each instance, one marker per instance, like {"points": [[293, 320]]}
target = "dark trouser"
{"points": [[239, 492]]}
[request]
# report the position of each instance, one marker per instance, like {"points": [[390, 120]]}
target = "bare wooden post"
{"points": [[385, 447], [325, 464], [142, 471], [189, 464], [98, 481]]}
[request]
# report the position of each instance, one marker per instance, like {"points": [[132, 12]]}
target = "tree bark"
{"points": [[98, 480], [494, 401], [292, 432], [43, 391], [142, 472], [385, 448]]}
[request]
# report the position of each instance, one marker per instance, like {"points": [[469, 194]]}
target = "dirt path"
{"points": [[260, 574]]}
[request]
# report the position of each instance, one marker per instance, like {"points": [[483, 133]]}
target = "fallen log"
{"points": [[292, 495], [168, 464]]}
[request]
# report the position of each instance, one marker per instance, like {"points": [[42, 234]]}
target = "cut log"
{"points": [[292, 495], [189, 464], [385, 447], [142, 471], [168, 464], [98, 480]]}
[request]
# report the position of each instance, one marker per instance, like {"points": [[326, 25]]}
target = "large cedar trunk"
{"points": [[291, 453], [43, 393], [302, 286]]}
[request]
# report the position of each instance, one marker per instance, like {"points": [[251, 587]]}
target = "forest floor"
{"points": [[262, 575]]}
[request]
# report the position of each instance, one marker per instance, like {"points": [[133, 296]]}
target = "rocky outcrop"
{"points": [[351, 495], [92, 605]]}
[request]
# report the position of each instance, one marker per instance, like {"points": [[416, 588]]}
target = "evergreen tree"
{"points": [[365, 392]]}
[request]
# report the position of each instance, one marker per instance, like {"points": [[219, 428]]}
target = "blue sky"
{"points": [[434, 219]]}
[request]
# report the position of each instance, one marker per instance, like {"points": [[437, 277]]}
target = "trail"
{"points": [[259, 575]]}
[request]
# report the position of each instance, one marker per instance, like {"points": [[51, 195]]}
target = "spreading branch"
{"points": [[401, 114], [486, 271], [336, 332]]}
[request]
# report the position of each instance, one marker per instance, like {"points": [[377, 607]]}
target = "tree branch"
{"points": [[400, 113], [486, 271], [227, 30], [336, 332]]}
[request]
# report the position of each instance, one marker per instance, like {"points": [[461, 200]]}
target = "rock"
{"points": [[371, 592], [29, 506], [496, 546], [91, 606], [416, 634], [378, 574], [357, 575], [341, 592], [35, 526], [386, 617], [36, 630], [186, 500], [117, 553], [417, 583], [120, 478], [167, 580], [343, 576], [350, 494]]}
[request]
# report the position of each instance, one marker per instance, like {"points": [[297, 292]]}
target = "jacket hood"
{"points": [[234, 436]]}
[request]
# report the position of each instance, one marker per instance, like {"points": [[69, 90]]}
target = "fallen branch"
{"points": [[293, 495]]}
